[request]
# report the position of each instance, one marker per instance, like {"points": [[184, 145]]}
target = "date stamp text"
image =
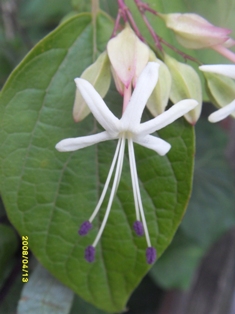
{"points": [[25, 259]]}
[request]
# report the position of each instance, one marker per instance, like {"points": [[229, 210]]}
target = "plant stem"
{"points": [[94, 10], [225, 52]]}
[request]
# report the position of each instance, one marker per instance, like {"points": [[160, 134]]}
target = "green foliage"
{"points": [[210, 212], [9, 304], [41, 11], [182, 255], [8, 246], [49, 194]]}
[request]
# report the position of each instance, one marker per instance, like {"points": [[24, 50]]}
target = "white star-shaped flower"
{"points": [[226, 70], [127, 128]]}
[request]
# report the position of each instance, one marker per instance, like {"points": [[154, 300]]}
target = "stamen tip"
{"points": [[85, 227], [151, 255], [138, 227], [90, 254]]}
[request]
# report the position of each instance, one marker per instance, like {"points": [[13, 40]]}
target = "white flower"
{"points": [[226, 70], [127, 128]]}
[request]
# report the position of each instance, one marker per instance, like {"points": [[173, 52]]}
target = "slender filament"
{"points": [[133, 182], [113, 191], [136, 188], [107, 182]]}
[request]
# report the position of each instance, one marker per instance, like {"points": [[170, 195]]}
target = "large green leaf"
{"points": [[48, 194]]}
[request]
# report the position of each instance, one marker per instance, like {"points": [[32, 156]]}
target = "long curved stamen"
{"points": [[136, 183], [114, 187], [107, 181], [87, 225], [133, 182]]}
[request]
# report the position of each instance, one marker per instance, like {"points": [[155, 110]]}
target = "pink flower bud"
{"points": [[194, 32], [128, 56]]}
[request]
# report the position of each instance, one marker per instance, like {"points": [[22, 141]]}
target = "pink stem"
{"points": [[145, 7], [117, 21], [225, 52], [126, 97], [134, 24], [151, 30], [181, 53], [142, 7], [122, 8], [126, 14]]}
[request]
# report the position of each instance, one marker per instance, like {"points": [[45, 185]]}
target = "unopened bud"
{"points": [[128, 56], [98, 74], [185, 84], [194, 32], [158, 100]]}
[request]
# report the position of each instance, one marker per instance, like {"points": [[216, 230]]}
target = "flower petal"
{"points": [[224, 69], [97, 106], [72, 144], [222, 113], [155, 143], [144, 87], [167, 117]]}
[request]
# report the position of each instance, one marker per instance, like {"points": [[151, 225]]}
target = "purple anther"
{"points": [[151, 255], [138, 227], [85, 227], [90, 254]]}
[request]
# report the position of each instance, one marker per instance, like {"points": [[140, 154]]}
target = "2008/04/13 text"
{"points": [[25, 259]]}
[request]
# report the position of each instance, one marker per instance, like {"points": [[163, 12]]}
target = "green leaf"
{"points": [[184, 255], [210, 213], [81, 5], [9, 304], [80, 306], [8, 246], [211, 208], [2, 209], [48, 194], [51, 9], [44, 294]]}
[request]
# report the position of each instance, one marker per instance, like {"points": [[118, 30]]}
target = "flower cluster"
{"points": [[144, 80]]}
